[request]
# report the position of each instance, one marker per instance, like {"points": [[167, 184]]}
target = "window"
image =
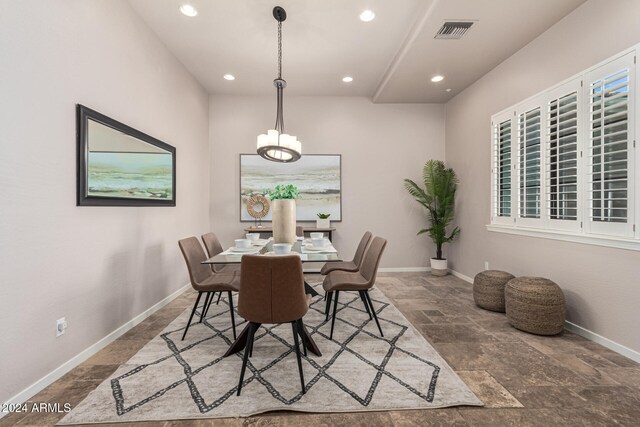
{"points": [[567, 157], [502, 165], [529, 164]]}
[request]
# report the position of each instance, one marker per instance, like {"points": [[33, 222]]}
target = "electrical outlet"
{"points": [[486, 265], [61, 326]]}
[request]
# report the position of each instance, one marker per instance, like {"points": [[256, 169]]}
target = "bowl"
{"points": [[253, 236], [316, 235], [319, 242], [281, 248], [243, 243]]}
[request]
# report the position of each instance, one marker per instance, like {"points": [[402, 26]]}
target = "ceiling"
{"points": [[391, 58]]}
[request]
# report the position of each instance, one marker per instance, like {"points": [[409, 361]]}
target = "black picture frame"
{"points": [[83, 116], [284, 166]]}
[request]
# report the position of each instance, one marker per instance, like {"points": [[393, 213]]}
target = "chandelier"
{"points": [[276, 145]]}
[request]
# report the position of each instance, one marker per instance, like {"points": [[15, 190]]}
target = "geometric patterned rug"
{"points": [[171, 379]]}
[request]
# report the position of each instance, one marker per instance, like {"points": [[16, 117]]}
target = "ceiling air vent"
{"points": [[453, 30]]}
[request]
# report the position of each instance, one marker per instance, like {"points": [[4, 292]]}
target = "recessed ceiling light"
{"points": [[229, 77], [436, 79], [347, 79], [188, 10], [448, 90], [367, 16]]}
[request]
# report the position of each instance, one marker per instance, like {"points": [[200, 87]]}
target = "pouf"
{"points": [[488, 289], [535, 304]]}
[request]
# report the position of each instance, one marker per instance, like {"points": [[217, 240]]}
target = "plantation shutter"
{"points": [[529, 164], [502, 169], [561, 154], [610, 143]]}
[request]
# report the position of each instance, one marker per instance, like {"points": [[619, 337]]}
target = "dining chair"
{"points": [[214, 247], [272, 291], [299, 231], [353, 265], [360, 281], [204, 280]]}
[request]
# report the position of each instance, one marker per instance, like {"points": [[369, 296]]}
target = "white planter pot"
{"points": [[322, 223], [284, 220], [439, 267]]}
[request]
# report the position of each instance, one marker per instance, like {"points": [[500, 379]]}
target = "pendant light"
{"points": [[276, 145]]}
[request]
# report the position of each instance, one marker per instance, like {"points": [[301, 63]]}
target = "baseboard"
{"points": [[403, 269], [605, 342], [57, 373], [461, 276]]}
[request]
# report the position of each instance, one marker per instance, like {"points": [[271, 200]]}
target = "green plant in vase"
{"points": [[288, 191], [323, 220], [283, 201]]}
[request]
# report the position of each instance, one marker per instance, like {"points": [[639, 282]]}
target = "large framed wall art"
{"points": [[121, 166], [317, 176]]}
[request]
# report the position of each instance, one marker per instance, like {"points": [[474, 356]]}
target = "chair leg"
{"points": [[294, 327], [204, 306], [233, 320], [219, 295], [328, 306], [213, 294], [300, 326], [191, 317], [366, 305], [252, 331], [366, 294], [333, 319]]}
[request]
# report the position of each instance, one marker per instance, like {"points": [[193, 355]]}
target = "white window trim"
{"points": [[581, 234], [632, 244]]}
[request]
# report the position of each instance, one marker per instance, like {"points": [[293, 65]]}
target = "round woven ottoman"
{"points": [[535, 304], [488, 289]]}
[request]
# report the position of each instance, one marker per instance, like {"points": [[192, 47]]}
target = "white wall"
{"points": [[98, 266], [602, 285], [380, 145]]}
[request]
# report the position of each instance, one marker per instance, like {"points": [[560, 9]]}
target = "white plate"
{"points": [[250, 249], [316, 249], [275, 254]]}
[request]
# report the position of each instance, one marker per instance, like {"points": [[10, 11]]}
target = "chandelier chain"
{"points": [[279, 49]]}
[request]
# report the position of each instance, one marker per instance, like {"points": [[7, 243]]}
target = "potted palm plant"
{"points": [[438, 197]]}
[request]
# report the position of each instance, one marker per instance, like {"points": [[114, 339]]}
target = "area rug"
{"points": [[358, 370]]}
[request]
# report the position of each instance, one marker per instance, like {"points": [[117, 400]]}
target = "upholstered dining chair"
{"points": [[360, 281], [272, 291], [214, 247], [353, 265], [204, 280]]}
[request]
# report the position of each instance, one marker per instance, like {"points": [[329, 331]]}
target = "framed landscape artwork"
{"points": [[121, 166], [317, 176]]}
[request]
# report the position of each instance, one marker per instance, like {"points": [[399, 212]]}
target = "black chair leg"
{"points": [[219, 295], [328, 306], [300, 326], [366, 294], [204, 306], [252, 331], [233, 320], [213, 294], [191, 317], [333, 319], [366, 305], [294, 327]]}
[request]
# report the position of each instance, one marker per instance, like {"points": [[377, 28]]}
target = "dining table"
{"points": [[304, 248]]}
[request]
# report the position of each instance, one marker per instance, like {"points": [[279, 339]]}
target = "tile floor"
{"points": [[524, 380]]}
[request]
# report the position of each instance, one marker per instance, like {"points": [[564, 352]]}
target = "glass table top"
{"points": [[296, 249]]}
